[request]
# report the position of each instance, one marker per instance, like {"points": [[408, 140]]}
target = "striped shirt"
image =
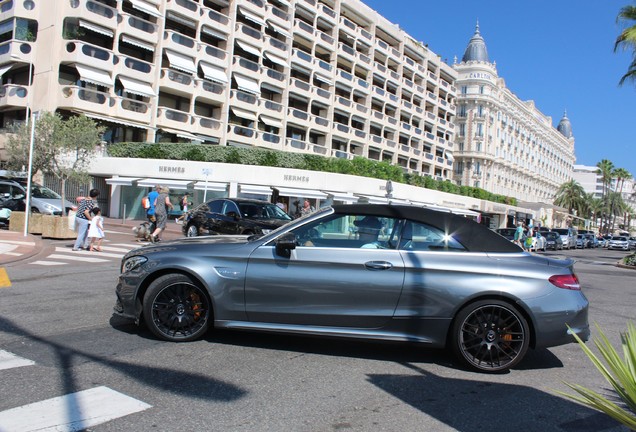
{"points": [[85, 204]]}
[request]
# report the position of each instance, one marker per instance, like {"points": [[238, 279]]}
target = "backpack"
{"points": [[145, 203]]}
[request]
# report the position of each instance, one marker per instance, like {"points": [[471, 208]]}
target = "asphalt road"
{"points": [[60, 318]]}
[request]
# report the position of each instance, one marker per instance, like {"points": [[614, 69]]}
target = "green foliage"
{"points": [[629, 260], [619, 372], [358, 166]]}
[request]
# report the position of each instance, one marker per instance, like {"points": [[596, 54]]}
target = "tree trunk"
{"points": [[63, 196]]}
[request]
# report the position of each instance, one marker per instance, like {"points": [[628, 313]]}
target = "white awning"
{"points": [[323, 79], [114, 120], [215, 33], [147, 8], [278, 29], [95, 76], [181, 62], [373, 199], [180, 19], [248, 115], [121, 181], [137, 87], [342, 196], [4, 69], [211, 186], [182, 134], [254, 189], [301, 193], [137, 43], [270, 121], [213, 73], [277, 60], [249, 48], [251, 16], [97, 29], [172, 184], [450, 157], [247, 84]]}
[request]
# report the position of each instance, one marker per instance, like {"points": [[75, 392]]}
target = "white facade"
{"points": [[503, 144], [588, 178], [324, 77]]}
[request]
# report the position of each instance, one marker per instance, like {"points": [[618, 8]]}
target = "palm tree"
{"points": [[621, 174], [594, 207], [627, 40], [570, 195], [605, 170]]}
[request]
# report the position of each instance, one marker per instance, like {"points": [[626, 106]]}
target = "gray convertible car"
{"points": [[384, 272]]}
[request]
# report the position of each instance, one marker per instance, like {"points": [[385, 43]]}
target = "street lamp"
{"points": [[206, 172], [389, 189], [27, 210]]}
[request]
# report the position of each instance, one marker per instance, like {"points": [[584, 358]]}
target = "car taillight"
{"points": [[566, 281]]}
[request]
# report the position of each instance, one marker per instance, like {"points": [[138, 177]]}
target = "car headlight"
{"points": [[132, 263], [50, 208]]}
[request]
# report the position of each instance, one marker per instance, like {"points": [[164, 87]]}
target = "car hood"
{"points": [[191, 243]]}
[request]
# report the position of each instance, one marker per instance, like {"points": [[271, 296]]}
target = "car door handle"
{"points": [[378, 265]]}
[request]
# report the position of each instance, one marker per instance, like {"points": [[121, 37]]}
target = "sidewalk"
{"points": [[14, 246]]}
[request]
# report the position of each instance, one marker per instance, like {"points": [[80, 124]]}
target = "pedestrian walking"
{"points": [[96, 230], [83, 219], [150, 211], [162, 206]]}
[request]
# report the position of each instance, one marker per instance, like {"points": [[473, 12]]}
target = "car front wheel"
{"points": [[490, 336], [192, 231], [176, 309]]}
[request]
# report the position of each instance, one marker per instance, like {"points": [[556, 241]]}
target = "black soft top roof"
{"points": [[475, 237]]}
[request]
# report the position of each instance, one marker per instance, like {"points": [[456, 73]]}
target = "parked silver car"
{"points": [[405, 274], [619, 242], [568, 237]]}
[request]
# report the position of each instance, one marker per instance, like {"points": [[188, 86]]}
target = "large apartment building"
{"points": [[325, 77], [503, 144]]}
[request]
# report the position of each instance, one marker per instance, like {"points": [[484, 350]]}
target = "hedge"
{"points": [[358, 166]]}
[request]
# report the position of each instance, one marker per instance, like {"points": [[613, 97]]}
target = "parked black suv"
{"points": [[234, 216]]}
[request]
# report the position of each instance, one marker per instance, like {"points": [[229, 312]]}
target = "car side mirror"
{"points": [[285, 244], [233, 215]]}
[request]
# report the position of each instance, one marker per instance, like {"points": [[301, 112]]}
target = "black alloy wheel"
{"points": [[175, 309], [490, 336]]}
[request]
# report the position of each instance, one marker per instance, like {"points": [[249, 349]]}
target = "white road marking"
{"points": [[71, 412], [13, 253], [9, 360], [116, 249], [97, 254], [80, 257], [13, 242], [48, 263]]}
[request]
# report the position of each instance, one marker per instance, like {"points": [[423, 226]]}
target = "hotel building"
{"points": [[503, 144], [325, 77]]}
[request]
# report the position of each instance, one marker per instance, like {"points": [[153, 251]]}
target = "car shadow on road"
{"points": [[481, 404]]}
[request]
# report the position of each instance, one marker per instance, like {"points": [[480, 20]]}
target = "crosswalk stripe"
{"points": [[13, 253], [71, 412], [9, 360], [115, 249], [48, 263], [22, 243], [100, 254], [124, 245], [84, 258]]}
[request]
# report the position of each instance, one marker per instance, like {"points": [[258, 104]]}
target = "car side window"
{"points": [[230, 207], [216, 206], [421, 237], [348, 231]]}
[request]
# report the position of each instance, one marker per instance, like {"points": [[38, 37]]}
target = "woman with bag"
{"points": [[83, 219]]}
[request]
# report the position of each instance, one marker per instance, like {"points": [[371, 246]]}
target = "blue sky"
{"points": [[557, 53]]}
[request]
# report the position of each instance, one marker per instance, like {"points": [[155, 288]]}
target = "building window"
{"points": [[464, 90]]}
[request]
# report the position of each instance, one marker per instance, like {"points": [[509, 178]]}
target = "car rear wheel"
{"points": [[192, 231], [176, 309], [490, 336]]}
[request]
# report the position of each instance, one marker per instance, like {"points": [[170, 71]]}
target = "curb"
{"points": [[23, 251]]}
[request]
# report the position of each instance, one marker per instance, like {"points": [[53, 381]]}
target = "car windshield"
{"points": [[506, 231], [561, 231], [42, 192], [619, 238], [551, 235]]}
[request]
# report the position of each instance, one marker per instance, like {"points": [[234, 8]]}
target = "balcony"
{"points": [[246, 67], [173, 119], [91, 55], [177, 82], [325, 40], [12, 95], [15, 50], [130, 109], [244, 100], [322, 93], [302, 55], [206, 126], [74, 97], [242, 134], [277, 16], [15, 8], [271, 108], [248, 34], [186, 8], [207, 51], [93, 12], [215, 20], [139, 28], [276, 44], [301, 27], [300, 87], [210, 91], [135, 68], [180, 43]]}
